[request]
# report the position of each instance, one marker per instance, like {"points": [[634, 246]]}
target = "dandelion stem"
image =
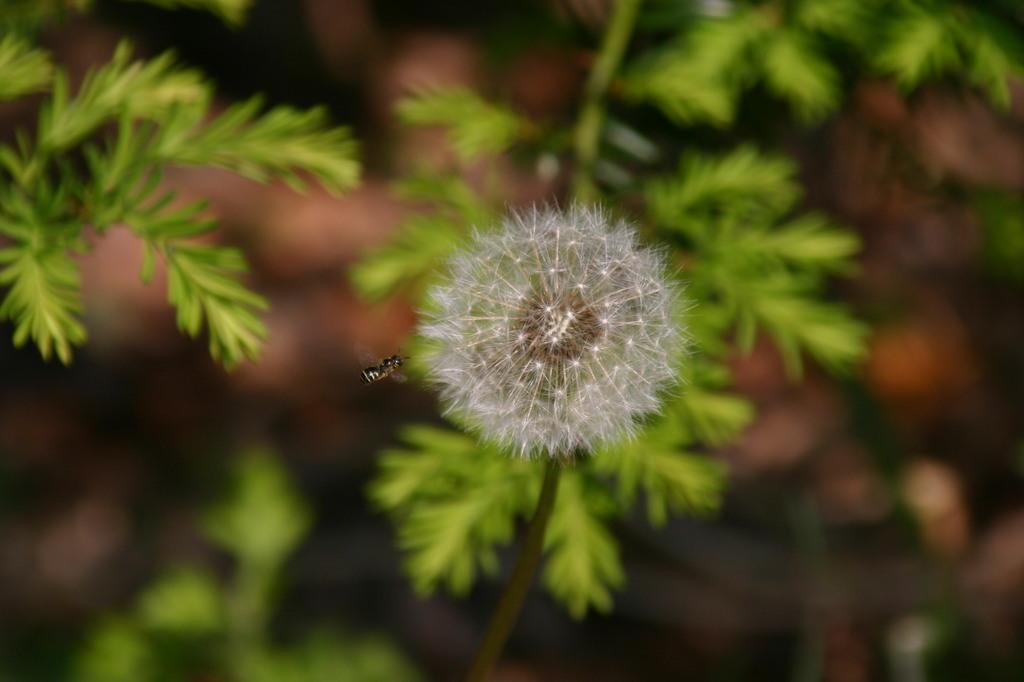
{"points": [[592, 112], [514, 593]]}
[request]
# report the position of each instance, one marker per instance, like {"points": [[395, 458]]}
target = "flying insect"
{"points": [[385, 368]]}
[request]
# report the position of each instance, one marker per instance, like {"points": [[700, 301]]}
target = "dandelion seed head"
{"points": [[556, 333]]}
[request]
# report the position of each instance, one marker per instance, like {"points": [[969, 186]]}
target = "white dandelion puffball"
{"points": [[555, 333]]}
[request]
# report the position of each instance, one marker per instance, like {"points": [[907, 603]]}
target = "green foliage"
{"points": [[326, 656], [583, 564], [202, 282], [659, 465], [130, 119], [30, 16], [1002, 221], [189, 624], [705, 184], [263, 517], [797, 51], [920, 45], [43, 297], [232, 12], [455, 500], [407, 262], [279, 144], [758, 267], [476, 126], [699, 77], [796, 71], [25, 68], [922, 40]]}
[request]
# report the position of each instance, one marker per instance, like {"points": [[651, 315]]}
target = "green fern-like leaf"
{"points": [[448, 192], [709, 182], [203, 285], [454, 500], [753, 269], [128, 120], [672, 479], [918, 45], [203, 280], [798, 73], [808, 242], [43, 300], [476, 126], [282, 143], [142, 89], [994, 53], [406, 261], [582, 565], [23, 68], [798, 322], [848, 20], [713, 417], [723, 45], [698, 77], [43, 297], [681, 89]]}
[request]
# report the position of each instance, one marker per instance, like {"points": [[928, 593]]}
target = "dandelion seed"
{"points": [[555, 334]]}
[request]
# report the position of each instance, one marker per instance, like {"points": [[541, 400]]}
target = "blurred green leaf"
{"points": [[232, 12], [706, 182], [1002, 219], [263, 517], [23, 69], [917, 45], [795, 70], [797, 321], [328, 656], [993, 53], [476, 127], [808, 241], [406, 261], [116, 650], [849, 20], [681, 89], [184, 600], [712, 417]]}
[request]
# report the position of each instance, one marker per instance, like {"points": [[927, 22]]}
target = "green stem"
{"points": [[512, 597], [587, 134]]}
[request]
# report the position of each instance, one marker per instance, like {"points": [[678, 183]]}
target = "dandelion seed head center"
{"points": [[556, 330]]}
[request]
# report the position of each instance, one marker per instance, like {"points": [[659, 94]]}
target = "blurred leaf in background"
{"points": [[190, 623]]}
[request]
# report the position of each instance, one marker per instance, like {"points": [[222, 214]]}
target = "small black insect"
{"points": [[383, 369]]}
